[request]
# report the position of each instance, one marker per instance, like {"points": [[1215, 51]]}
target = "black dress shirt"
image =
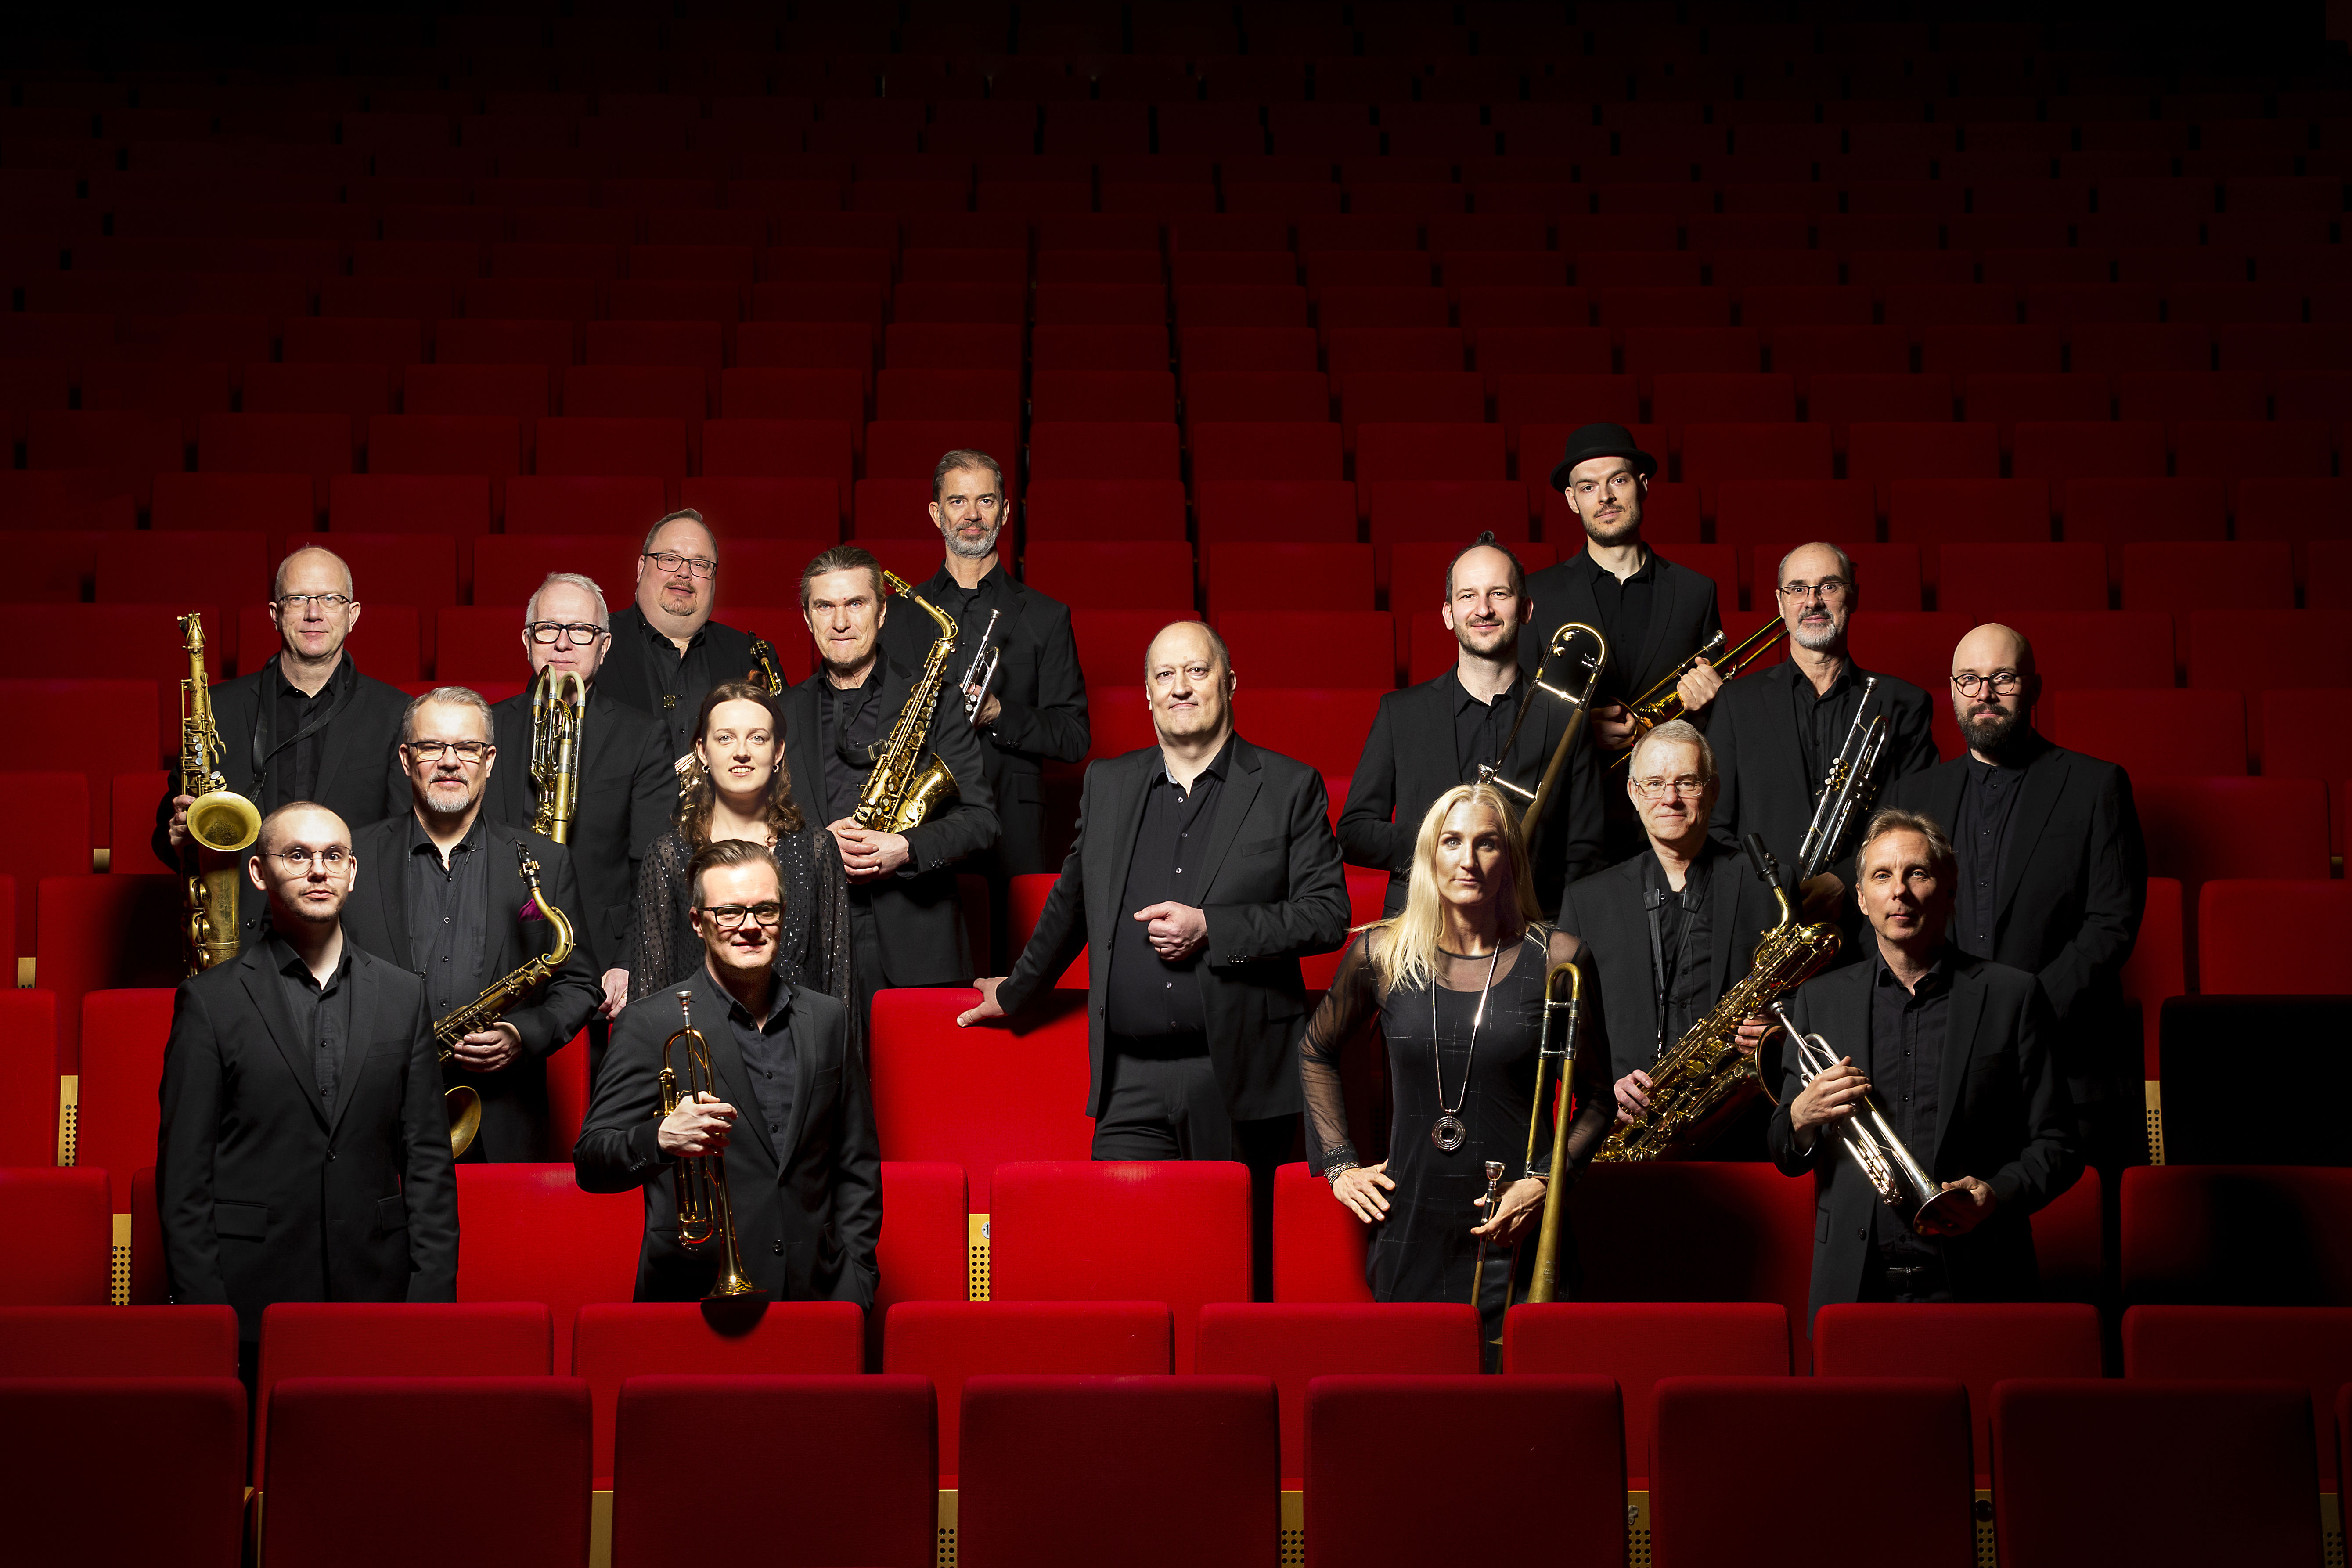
{"points": [[297, 733], [769, 1062], [853, 722], [1146, 997], [1625, 606], [1988, 793], [1823, 718], [1481, 728], [682, 679], [321, 1014], [1907, 1030], [1682, 946], [448, 915]]}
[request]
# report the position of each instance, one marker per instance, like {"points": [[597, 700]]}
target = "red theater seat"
{"points": [[1239, 572], [1147, 395], [571, 505], [28, 1079], [1745, 1235], [527, 1233], [1983, 510], [1988, 581], [1215, 396], [1890, 453], [1323, 728], [186, 1341], [2073, 450], [925, 1251], [57, 1226], [2275, 938], [68, 1445], [1321, 511], [600, 445], [119, 932], [981, 1095], [1760, 451], [2278, 1236], [1101, 450], [61, 802], [1748, 512], [1324, 647], [2153, 733], [2004, 397], [1426, 451], [2098, 649], [121, 1062], [444, 444], [1059, 510], [2202, 828], [2310, 1345], [1319, 1247], [1135, 574], [130, 448], [275, 504]]}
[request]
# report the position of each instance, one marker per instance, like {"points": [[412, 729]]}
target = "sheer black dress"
{"points": [[1424, 1251], [813, 948]]}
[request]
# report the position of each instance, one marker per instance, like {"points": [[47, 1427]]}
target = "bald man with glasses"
{"points": [[666, 653]]}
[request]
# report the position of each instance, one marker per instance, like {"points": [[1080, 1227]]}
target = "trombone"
{"points": [[1662, 701], [1890, 1168], [704, 1212], [1577, 694], [1556, 1048]]}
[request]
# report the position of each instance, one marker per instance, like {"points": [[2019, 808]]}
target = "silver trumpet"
{"points": [[1847, 791], [1901, 1183], [1493, 1201], [982, 672]]}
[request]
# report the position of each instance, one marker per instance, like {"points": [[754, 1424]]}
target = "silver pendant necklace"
{"points": [[1449, 1131]]}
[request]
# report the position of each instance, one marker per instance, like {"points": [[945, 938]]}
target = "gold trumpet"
{"points": [[1662, 701], [1578, 698], [704, 1211], [559, 703], [220, 821]]}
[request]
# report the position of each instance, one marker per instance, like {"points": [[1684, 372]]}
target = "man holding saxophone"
{"points": [[802, 1179]]}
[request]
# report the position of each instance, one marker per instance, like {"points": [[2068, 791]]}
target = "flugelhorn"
{"points": [[559, 703], [1574, 692], [1662, 701], [220, 821], [1847, 790], [1869, 1140], [704, 1212]]}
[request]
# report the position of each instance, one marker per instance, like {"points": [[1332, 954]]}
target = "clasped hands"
{"points": [[866, 855]]}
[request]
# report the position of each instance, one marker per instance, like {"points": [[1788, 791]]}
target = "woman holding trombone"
{"points": [[1456, 985]]}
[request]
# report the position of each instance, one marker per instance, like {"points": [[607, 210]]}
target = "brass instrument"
{"points": [[1489, 1206], [1557, 1048], [1705, 1075], [982, 672], [559, 703], [704, 1211], [1662, 701], [1847, 790], [1579, 701], [220, 821], [904, 792], [495, 1001], [766, 673], [1893, 1173]]}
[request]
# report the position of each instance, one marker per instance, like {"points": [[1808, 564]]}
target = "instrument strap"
{"points": [[267, 704], [1656, 896]]}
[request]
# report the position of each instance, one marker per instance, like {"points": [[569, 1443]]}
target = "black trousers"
{"points": [[1911, 1277]]}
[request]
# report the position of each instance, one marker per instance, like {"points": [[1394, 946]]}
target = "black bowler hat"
{"points": [[1601, 441]]}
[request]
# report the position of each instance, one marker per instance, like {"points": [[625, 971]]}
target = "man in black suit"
{"points": [[628, 780], [1956, 1051], [1654, 613], [2052, 875], [1203, 868], [446, 900], [303, 1153], [666, 652], [1408, 763], [1035, 709], [1775, 733], [306, 725], [806, 1187], [906, 917]]}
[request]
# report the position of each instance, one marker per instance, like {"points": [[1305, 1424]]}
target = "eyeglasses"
{"points": [[730, 917], [1829, 590], [2004, 682], [669, 561], [579, 634], [1683, 784], [292, 604], [468, 751], [333, 858]]}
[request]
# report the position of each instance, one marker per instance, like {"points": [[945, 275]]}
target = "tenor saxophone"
{"points": [[906, 789], [220, 821], [496, 1000]]}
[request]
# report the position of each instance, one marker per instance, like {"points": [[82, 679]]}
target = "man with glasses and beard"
{"points": [[306, 725], [2053, 874], [666, 652], [1035, 709], [1776, 732]]}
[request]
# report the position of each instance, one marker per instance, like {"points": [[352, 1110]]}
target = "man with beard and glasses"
{"points": [[446, 900], [1407, 761], [666, 653], [1775, 733], [1035, 709], [2052, 873]]}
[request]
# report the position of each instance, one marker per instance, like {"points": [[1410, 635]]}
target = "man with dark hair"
{"points": [[666, 653], [1408, 763], [804, 1186]]}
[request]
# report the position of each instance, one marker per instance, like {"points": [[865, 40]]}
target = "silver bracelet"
{"points": [[1336, 1172]]}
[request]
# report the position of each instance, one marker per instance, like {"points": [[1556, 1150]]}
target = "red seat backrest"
{"points": [[2256, 1235], [58, 1233], [188, 1341], [2276, 938], [527, 1233], [67, 1443], [122, 1039], [117, 931], [1319, 1246], [977, 1096]]}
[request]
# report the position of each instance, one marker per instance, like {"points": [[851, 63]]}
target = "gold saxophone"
{"points": [[220, 821], [559, 703], [1705, 1075], [905, 790], [765, 672], [494, 1001]]}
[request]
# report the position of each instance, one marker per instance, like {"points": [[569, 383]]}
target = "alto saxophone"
{"points": [[905, 790], [559, 704], [765, 672], [220, 821], [1705, 1074], [495, 1001]]}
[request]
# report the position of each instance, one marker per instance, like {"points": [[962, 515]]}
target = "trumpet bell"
{"points": [[224, 822], [465, 1108], [1935, 1216]]}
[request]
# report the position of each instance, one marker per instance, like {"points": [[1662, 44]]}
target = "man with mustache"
{"points": [[2052, 873], [1775, 733], [1408, 761], [666, 653]]}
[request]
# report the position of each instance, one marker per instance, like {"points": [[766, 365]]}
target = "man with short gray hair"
{"points": [[666, 653]]}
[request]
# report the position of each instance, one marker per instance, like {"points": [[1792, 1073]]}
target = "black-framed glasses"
{"points": [[669, 561], [331, 859], [579, 634], [1829, 590], [730, 917], [293, 604], [433, 751], [2004, 682]]}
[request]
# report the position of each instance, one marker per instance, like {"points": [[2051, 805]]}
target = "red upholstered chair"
{"points": [[1049, 1473], [1319, 511], [2152, 732], [1748, 511], [45, 715], [1428, 451], [61, 802], [947, 1342], [1756, 451], [1887, 453], [68, 1445], [1916, 646], [29, 1076], [2238, 1235], [977, 1097], [2075, 450], [1639, 1343], [275, 505], [587, 445], [1145, 395], [1319, 1247], [2227, 448], [1322, 727], [2199, 828], [2242, 1492], [527, 1233], [56, 1225], [1104, 508], [119, 932], [925, 1253], [931, 393], [2275, 938], [2307, 734], [2097, 648], [378, 502], [1990, 581], [2310, 1345], [2070, 1242], [1219, 396], [1565, 1446], [118, 1341], [1711, 1502], [1122, 574], [1333, 649], [1980, 1344], [1098, 449], [1929, 511], [122, 1064], [324, 1496], [1237, 571], [490, 445], [1740, 1233], [1122, 1231]]}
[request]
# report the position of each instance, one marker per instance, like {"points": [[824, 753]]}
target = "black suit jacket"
{"points": [[265, 1194], [807, 1216], [1606, 910], [1038, 682], [1273, 891], [628, 793], [1409, 761], [627, 673], [2003, 1116], [514, 1099], [1762, 770], [360, 777], [2072, 893], [916, 911], [1683, 615]]}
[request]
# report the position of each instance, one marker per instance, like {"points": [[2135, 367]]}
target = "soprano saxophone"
{"points": [[906, 789], [496, 1000]]}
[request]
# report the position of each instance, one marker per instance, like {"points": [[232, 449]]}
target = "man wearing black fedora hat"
{"points": [[1654, 613]]}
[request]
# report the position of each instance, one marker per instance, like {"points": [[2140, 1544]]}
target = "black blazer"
{"points": [[627, 673], [918, 911], [807, 1218], [1038, 682], [1273, 891], [265, 1193], [2003, 1116], [1682, 618], [514, 1099], [1762, 770], [360, 777], [1409, 761], [1606, 912], [2072, 895], [628, 793]]}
